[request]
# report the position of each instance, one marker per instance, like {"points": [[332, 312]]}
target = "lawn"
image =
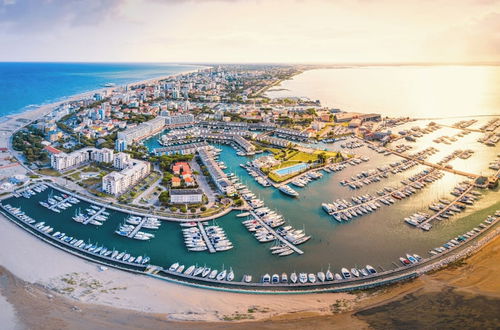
{"points": [[75, 176], [49, 171], [90, 168], [91, 181]]}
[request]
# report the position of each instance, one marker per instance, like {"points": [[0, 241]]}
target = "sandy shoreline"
{"points": [[43, 109]]}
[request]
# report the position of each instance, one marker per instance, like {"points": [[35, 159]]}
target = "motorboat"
{"points": [[321, 276], [173, 267], [345, 273], [293, 277]]}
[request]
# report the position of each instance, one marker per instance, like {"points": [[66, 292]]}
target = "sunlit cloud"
{"points": [[250, 31]]}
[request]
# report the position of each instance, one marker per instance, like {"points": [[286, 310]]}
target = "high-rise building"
{"points": [[120, 145], [131, 172], [62, 161]]}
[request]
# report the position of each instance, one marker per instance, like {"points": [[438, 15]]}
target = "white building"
{"points": [[62, 161], [186, 196], [122, 160], [132, 171], [142, 131], [216, 173], [179, 120]]}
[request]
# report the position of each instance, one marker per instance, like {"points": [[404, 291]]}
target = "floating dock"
{"points": [[446, 208], [205, 237], [279, 237], [56, 205], [92, 217], [137, 228]]}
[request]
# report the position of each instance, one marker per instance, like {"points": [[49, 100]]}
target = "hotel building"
{"points": [[63, 161], [131, 172]]}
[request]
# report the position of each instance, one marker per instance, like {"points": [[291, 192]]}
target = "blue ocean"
{"points": [[27, 85]]}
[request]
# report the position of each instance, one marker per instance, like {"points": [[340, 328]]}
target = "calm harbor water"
{"points": [[413, 91], [377, 239]]}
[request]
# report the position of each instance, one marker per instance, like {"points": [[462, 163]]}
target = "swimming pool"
{"points": [[291, 169]]}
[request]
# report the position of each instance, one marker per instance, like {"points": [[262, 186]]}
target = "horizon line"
{"points": [[414, 63]]}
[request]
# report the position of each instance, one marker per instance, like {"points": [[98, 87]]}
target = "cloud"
{"points": [[42, 15], [477, 40]]}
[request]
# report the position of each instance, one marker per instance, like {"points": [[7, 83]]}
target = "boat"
{"points": [[230, 275], [198, 271], [174, 267], [205, 272], [329, 275], [345, 273], [275, 279], [190, 270], [293, 277], [284, 278], [321, 276], [302, 277], [247, 278], [411, 258], [222, 275], [312, 278], [213, 274], [266, 278], [244, 214], [355, 272], [288, 191], [404, 261]]}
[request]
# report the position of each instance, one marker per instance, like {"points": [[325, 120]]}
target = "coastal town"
{"points": [[191, 156]]}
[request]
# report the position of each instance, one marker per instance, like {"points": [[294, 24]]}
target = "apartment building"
{"points": [[216, 174], [186, 196], [131, 172], [63, 161]]}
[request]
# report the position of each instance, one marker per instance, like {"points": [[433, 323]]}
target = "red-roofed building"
{"points": [[52, 150], [189, 181], [176, 181]]}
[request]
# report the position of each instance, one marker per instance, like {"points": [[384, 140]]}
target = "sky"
{"points": [[239, 31]]}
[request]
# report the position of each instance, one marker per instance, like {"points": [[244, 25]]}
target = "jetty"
{"points": [[389, 194], [92, 217], [205, 237], [56, 205], [433, 217], [137, 228], [273, 232]]}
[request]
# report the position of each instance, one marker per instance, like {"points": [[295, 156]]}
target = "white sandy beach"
{"points": [[37, 262]]}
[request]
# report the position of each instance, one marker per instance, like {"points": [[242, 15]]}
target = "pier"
{"points": [[205, 237], [436, 166], [379, 173], [137, 228], [56, 205], [446, 208], [279, 237], [389, 194], [93, 216]]}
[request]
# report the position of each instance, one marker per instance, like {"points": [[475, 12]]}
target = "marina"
{"points": [[269, 209]]}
